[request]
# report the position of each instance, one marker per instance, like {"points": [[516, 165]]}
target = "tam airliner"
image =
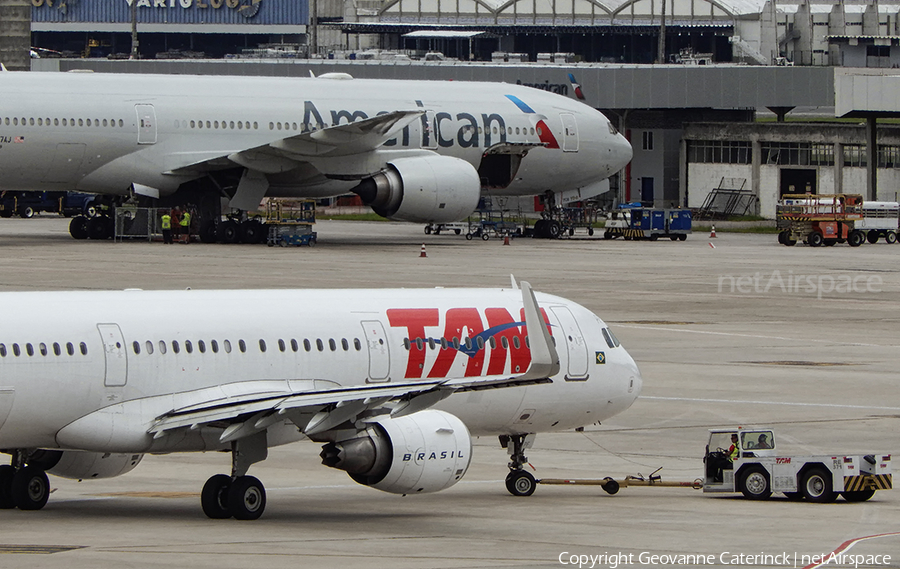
{"points": [[392, 383]]}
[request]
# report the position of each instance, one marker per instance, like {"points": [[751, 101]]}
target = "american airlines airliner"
{"points": [[421, 151], [392, 383]]}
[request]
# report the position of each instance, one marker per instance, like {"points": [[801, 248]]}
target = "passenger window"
{"points": [[281, 345], [16, 351], [307, 346], [455, 343], [29, 349], [227, 345], [214, 345], [468, 343], [136, 346], [345, 344], [504, 341], [430, 343], [294, 345], [83, 347], [149, 345], [528, 341], [42, 347], [406, 343], [70, 349], [420, 345], [2, 350], [201, 345], [357, 344], [443, 343], [479, 341], [516, 343], [492, 342], [175, 347], [188, 347], [262, 345], [332, 344], [319, 345], [242, 346], [162, 346]]}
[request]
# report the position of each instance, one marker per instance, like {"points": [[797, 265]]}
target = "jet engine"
{"points": [[424, 452], [84, 465], [423, 189]]}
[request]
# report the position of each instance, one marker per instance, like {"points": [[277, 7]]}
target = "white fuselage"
{"points": [[103, 133], [93, 370]]}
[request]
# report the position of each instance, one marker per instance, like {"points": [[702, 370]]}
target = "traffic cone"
{"points": [[712, 233], [422, 253], [506, 239]]}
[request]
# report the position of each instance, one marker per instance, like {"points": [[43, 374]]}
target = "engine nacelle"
{"points": [[424, 452], [84, 465], [423, 189]]}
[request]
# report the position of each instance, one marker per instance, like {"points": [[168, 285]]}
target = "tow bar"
{"points": [[611, 486]]}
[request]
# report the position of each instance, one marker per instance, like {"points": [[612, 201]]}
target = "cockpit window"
{"points": [[608, 339]]}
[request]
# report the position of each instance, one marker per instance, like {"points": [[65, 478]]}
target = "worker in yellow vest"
{"points": [[166, 224], [186, 226]]}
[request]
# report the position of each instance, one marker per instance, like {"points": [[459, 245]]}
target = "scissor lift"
{"points": [[823, 219]]}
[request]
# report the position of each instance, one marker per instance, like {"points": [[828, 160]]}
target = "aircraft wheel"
{"points": [[755, 484], [858, 495], [6, 477], [228, 232], [78, 227], [246, 498], [520, 483], [427, 230], [208, 232], [30, 488], [214, 497], [816, 486], [251, 231], [98, 227], [553, 229]]}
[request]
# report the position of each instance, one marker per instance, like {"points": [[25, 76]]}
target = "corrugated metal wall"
{"points": [[241, 12], [15, 34]]}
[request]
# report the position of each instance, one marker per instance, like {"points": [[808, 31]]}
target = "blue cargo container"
{"points": [[215, 12]]}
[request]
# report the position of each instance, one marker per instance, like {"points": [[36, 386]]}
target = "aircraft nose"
{"points": [[622, 152]]}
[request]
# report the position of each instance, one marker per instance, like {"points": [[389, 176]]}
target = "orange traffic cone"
{"points": [[422, 253], [506, 239], [712, 233]]}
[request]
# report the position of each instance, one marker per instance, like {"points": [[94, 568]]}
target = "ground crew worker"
{"points": [[166, 224], [734, 449], [186, 226]]}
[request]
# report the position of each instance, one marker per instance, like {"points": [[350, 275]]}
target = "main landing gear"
{"points": [[519, 481], [22, 486], [239, 496]]}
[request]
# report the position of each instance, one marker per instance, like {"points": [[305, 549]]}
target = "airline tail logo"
{"points": [[576, 87], [539, 122]]}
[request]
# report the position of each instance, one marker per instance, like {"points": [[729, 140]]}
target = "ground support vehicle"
{"points": [[559, 222], [26, 204], [648, 223], [496, 222], [758, 470], [823, 219], [880, 221], [290, 222], [438, 228]]}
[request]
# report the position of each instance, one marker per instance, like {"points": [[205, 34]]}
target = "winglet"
{"points": [[544, 358], [3, 67], [512, 279]]}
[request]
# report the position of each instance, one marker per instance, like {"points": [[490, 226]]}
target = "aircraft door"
{"points": [[570, 132], [146, 117], [575, 346], [7, 395], [379, 353], [114, 353], [429, 131]]}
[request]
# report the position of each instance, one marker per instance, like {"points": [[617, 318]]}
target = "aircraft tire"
{"points": [[78, 227], [214, 497], [246, 498], [816, 486], [540, 230], [251, 231], [520, 483], [6, 477], [98, 227], [228, 232], [207, 232], [30, 488], [553, 229], [858, 495]]}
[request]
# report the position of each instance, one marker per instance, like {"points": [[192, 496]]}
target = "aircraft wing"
{"points": [[321, 409], [287, 153]]}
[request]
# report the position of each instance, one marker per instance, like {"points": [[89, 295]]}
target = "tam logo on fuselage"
{"points": [[495, 349]]}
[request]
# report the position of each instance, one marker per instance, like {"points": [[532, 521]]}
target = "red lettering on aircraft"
{"points": [[414, 320]]}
